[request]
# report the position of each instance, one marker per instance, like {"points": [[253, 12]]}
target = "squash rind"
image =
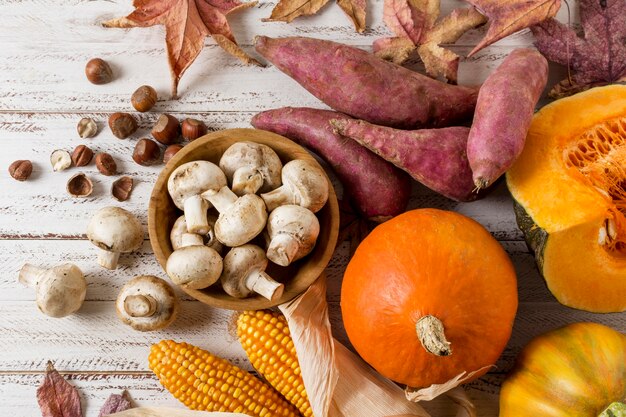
{"points": [[534, 235]]}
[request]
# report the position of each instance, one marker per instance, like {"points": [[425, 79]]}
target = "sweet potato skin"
{"points": [[434, 157], [364, 86], [377, 189], [506, 103]]}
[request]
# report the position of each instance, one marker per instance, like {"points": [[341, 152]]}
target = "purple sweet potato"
{"points": [[364, 86], [435, 157], [376, 187], [505, 107]]}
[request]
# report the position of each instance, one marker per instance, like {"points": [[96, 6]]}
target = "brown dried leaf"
{"points": [[115, 403], [56, 397], [597, 59], [509, 16], [187, 23], [288, 10], [415, 24]]}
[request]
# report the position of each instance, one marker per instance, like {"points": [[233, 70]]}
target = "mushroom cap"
{"points": [[307, 182], [167, 305], [194, 267], [193, 178], [240, 262], [254, 155], [61, 290], [180, 227], [242, 222], [115, 230]]}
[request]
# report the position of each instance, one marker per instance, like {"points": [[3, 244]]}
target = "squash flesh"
{"points": [[571, 181]]}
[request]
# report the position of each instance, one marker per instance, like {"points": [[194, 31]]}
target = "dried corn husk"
{"points": [[338, 383], [171, 412]]}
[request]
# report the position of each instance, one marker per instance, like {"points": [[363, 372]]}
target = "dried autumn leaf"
{"points": [[187, 23], [56, 397], [414, 22], [288, 10], [509, 16], [115, 403], [598, 58]]}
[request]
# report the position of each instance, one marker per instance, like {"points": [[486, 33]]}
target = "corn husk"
{"points": [[171, 412], [338, 383], [435, 390]]}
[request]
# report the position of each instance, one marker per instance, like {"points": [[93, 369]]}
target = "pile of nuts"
{"points": [[166, 131], [281, 219]]}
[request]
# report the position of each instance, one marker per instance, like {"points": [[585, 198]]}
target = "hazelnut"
{"points": [[87, 128], [21, 170], [98, 71], [147, 152], [122, 188], [167, 129], [106, 164], [144, 98], [60, 160], [122, 124], [170, 151], [193, 129], [79, 185], [82, 156]]}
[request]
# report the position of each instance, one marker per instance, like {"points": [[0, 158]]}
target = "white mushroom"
{"points": [[251, 167], [293, 231], [304, 184], [186, 184], [241, 219], [195, 266], [60, 290], [180, 227], [147, 303], [114, 230], [244, 274]]}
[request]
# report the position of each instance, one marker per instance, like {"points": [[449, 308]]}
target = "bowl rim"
{"points": [[256, 303]]}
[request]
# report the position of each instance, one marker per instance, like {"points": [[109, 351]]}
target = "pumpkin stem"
{"points": [[616, 409], [431, 335]]}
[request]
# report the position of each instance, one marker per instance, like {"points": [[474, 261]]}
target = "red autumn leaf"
{"points": [[287, 10], [509, 16], [56, 397], [187, 23], [115, 404], [599, 57], [414, 22]]}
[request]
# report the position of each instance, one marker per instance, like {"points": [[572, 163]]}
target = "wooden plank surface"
{"points": [[43, 94]]}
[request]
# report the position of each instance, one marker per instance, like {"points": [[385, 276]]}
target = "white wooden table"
{"points": [[43, 93]]}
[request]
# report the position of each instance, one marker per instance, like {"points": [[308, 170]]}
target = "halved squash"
{"points": [[569, 185]]}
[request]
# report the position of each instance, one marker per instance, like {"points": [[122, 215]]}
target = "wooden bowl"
{"points": [[297, 277]]}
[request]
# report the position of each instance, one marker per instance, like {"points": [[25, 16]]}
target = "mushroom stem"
{"points": [[282, 249], [222, 199], [190, 239], [276, 198], [29, 275], [140, 305], [108, 259], [246, 180], [195, 208], [263, 284], [430, 333]]}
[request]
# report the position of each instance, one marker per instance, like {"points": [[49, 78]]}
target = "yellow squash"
{"points": [[569, 185], [575, 371]]}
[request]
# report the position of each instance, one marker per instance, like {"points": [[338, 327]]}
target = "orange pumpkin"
{"points": [[427, 296]]}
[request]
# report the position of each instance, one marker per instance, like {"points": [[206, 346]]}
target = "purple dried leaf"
{"points": [[115, 403], [56, 397], [597, 58]]}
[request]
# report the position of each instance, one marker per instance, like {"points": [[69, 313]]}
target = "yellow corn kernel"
{"points": [[264, 335], [205, 382]]}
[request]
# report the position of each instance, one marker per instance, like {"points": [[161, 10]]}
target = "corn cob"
{"points": [[265, 337], [205, 382]]}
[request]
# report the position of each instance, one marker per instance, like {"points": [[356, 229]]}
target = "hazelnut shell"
{"points": [[79, 185]]}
